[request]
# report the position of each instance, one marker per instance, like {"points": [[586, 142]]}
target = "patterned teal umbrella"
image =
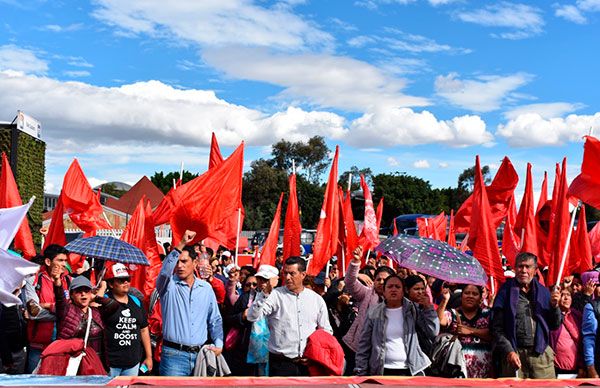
{"points": [[434, 258], [108, 248]]}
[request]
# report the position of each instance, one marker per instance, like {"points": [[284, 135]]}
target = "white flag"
{"points": [[14, 271], [10, 222]]}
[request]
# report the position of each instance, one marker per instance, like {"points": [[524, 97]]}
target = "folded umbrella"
{"points": [[108, 248], [435, 258]]}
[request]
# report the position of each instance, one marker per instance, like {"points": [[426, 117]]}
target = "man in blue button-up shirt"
{"points": [[189, 311]]}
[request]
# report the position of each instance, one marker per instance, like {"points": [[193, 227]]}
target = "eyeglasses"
{"points": [[251, 284], [123, 280]]}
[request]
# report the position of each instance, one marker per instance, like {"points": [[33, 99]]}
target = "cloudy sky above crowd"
{"points": [[414, 86]]}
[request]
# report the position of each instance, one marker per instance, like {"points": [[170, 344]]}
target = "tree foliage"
{"points": [[165, 181], [111, 189], [311, 158], [356, 173], [466, 179]]}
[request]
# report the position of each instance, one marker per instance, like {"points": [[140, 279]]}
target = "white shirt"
{"points": [[395, 351], [292, 318]]}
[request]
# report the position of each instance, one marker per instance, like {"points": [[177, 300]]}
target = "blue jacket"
{"points": [[504, 315]]}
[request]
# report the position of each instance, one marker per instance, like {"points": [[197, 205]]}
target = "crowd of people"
{"points": [[207, 316]]}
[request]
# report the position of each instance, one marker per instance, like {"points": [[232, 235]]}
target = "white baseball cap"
{"points": [[266, 271]]}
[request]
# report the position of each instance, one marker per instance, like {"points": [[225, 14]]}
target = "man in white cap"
{"points": [[293, 313], [127, 335]]}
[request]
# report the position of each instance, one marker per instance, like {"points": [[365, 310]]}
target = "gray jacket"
{"points": [[209, 365], [370, 358]]}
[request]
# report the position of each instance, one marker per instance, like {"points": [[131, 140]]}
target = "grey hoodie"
{"points": [[370, 357]]}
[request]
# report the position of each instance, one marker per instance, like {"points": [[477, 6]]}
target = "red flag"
{"points": [[559, 226], [369, 237], [542, 220], [292, 228], [543, 193], [482, 233], [581, 250], [499, 195], [395, 228], [423, 227], [525, 226], [379, 214], [209, 199], [510, 241], [350, 235], [9, 197], [81, 202], [451, 232], [326, 239], [139, 232], [215, 153], [595, 242], [56, 231], [586, 186], [162, 213], [438, 224], [269, 249]]}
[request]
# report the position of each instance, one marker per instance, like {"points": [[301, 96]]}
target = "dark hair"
{"points": [[54, 250], [524, 256], [250, 269], [479, 288], [386, 269], [190, 250], [368, 270], [296, 260], [412, 280], [385, 282], [38, 259]]}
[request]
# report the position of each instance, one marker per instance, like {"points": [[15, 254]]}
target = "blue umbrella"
{"points": [[108, 248], [434, 258]]}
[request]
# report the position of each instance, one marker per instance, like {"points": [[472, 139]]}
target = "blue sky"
{"points": [[416, 86]]}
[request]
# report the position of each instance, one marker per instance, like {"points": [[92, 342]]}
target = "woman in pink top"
{"points": [[566, 340]]}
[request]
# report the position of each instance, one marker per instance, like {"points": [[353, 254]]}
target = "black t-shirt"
{"points": [[123, 338]]}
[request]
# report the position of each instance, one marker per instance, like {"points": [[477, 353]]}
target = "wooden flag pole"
{"points": [[326, 273], [181, 172], [568, 242], [237, 235]]}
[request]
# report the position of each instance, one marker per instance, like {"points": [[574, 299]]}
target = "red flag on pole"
{"points": [[451, 232], [395, 228], [81, 202], [482, 232], [56, 230], [379, 214], [268, 253], [215, 153], [326, 239], [9, 197], [543, 193], [292, 228], [510, 241], [162, 213], [438, 225], [542, 220], [351, 237], [209, 199], [559, 225], [594, 236], [139, 232], [369, 237], [499, 195], [581, 249], [524, 225], [586, 186]]}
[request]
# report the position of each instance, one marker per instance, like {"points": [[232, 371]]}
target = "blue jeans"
{"points": [[133, 371], [33, 358], [175, 362]]}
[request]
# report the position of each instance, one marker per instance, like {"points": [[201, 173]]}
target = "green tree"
{"points": [[111, 189], [165, 182], [262, 186], [311, 158], [466, 179], [356, 173]]}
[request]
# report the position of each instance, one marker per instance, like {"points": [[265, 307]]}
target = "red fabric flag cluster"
{"points": [[434, 228], [542, 223], [326, 239], [215, 157], [451, 231], [369, 237], [510, 241], [9, 197], [580, 259], [350, 237], [525, 226], [208, 201], [499, 193], [269, 249], [594, 236], [82, 205], [559, 225], [482, 232], [140, 233], [586, 186], [292, 229]]}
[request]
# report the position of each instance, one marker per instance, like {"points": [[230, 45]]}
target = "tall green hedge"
{"points": [[30, 171]]}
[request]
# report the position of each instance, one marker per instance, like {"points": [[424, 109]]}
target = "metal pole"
{"points": [[237, 236], [566, 250], [112, 229]]}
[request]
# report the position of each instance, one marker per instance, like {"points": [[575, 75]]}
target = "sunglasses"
{"points": [[123, 280], [251, 284]]}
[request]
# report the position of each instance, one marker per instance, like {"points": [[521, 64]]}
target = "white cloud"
{"points": [[423, 163], [76, 73], [483, 94], [523, 20], [589, 5], [547, 110], [443, 164], [402, 126], [325, 80], [59, 28], [214, 22], [435, 3], [393, 162], [153, 112], [570, 13], [398, 40], [532, 130], [20, 59]]}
